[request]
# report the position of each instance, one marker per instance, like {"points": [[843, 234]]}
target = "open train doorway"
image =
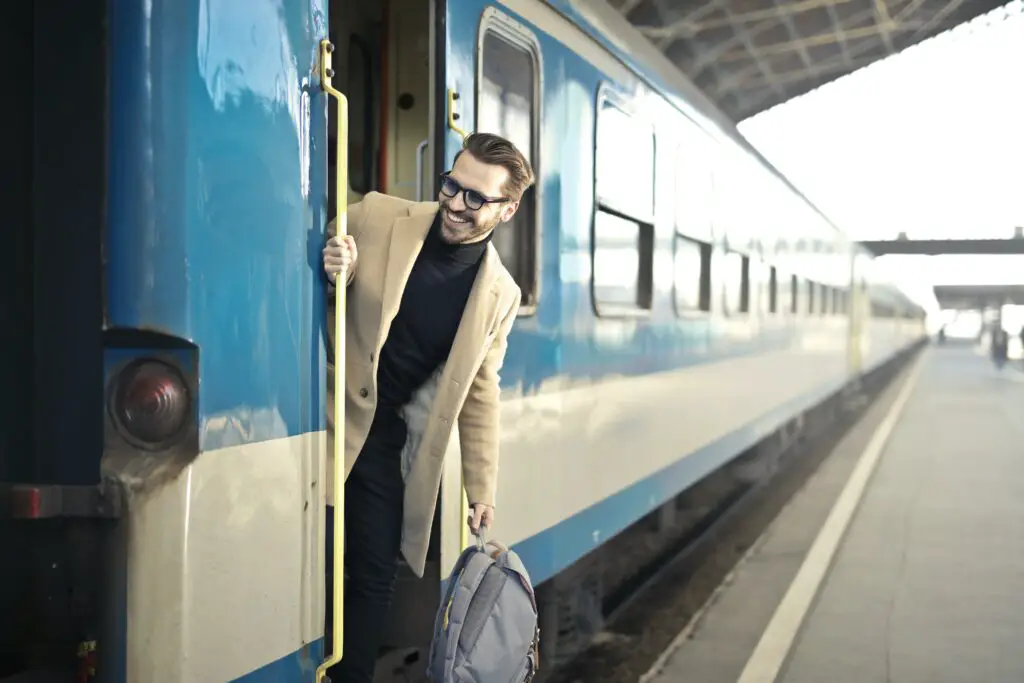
{"points": [[385, 64]]}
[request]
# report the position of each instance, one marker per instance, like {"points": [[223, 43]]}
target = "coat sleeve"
{"points": [[479, 419], [357, 218]]}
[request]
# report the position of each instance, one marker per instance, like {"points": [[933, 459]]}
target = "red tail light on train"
{"points": [[151, 403]]}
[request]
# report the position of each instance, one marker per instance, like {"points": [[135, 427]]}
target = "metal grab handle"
{"points": [[420, 156], [341, 226], [453, 115]]}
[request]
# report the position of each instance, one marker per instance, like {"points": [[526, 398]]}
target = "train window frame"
{"points": [[606, 208], [704, 251], [686, 232], [501, 26], [730, 258]]}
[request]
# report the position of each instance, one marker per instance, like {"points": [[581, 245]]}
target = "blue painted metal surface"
{"points": [[216, 209], [296, 667], [217, 201]]}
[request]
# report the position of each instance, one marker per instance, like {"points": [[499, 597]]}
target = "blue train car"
{"points": [[164, 451]]}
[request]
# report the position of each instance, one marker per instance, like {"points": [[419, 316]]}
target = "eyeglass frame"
{"points": [[447, 176]]}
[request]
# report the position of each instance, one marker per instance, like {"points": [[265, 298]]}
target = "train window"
{"points": [[507, 105], [692, 274], [694, 195], [811, 298], [625, 164], [735, 280], [745, 285], [752, 275], [784, 291], [773, 290], [826, 300], [623, 239], [794, 294], [623, 252], [760, 276]]}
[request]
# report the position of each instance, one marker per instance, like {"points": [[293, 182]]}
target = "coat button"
{"points": [[364, 393]]}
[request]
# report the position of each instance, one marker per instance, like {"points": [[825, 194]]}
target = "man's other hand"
{"points": [[481, 515]]}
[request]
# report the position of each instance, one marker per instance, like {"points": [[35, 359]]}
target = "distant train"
{"points": [[163, 451]]}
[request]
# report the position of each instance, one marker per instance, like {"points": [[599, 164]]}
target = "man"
{"points": [[429, 310]]}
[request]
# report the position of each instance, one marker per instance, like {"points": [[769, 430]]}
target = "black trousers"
{"points": [[374, 495]]}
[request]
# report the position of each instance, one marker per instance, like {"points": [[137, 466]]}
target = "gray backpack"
{"points": [[486, 628]]}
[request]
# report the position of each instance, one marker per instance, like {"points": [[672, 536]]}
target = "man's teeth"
{"points": [[455, 219]]}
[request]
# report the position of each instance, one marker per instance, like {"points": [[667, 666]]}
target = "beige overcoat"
{"points": [[389, 233]]}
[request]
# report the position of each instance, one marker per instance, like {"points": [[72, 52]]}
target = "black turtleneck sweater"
{"points": [[422, 333]]}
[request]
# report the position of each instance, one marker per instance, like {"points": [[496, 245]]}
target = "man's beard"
{"points": [[460, 233]]}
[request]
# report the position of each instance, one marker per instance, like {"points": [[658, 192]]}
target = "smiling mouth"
{"points": [[454, 218]]}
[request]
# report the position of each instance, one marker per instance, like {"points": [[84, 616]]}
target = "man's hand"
{"points": [[339, 255], [480, 514]]}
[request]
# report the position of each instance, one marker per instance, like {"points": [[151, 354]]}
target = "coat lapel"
{"points": [[407, 236], [481, 308]]}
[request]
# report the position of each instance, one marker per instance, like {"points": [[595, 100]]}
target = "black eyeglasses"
{"points": [[473, 199]]}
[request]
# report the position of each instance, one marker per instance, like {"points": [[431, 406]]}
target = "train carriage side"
{"points": [[175, 228]]}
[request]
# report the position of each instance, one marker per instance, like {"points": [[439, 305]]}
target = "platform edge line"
{"points": [[773, 648]]}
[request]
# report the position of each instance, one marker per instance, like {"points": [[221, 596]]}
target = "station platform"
{"points": [[901, 561]]}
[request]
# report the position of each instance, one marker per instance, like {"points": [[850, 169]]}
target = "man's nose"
{"points": [[457, 203]]}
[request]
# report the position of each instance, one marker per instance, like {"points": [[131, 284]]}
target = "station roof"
{"points": [[942, 247], [750, 55], [967, 297]]}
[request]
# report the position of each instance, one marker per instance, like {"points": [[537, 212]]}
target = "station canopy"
{"points": [[750, 55]]}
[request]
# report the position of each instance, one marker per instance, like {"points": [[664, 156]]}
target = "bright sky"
{"points": [[930, 142]]}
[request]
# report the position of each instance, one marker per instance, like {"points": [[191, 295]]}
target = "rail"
{"points": [[337, 475]]}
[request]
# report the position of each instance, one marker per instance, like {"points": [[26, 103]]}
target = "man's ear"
{"points": [[509, 211]]}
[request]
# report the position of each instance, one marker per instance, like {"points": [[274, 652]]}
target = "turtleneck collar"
{"points": [[464, 254]]}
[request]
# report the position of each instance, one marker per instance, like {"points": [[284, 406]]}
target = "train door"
{"points": [[490, 78], [384, 61]]}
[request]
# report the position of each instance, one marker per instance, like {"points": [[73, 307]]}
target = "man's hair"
{"points": [[497, 151]]}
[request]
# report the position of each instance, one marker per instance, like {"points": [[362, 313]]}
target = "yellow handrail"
{"points": [[341, 225]]}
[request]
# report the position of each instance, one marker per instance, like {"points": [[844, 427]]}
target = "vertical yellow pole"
{"points": [[463, 526], [340, 222]]}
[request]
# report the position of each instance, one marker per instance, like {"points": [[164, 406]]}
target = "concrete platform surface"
{"points": [[926, 584]]}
